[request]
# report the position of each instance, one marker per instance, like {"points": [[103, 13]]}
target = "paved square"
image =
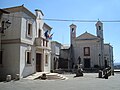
{"points": [[88, 82]]}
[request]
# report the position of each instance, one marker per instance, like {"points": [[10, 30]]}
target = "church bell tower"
{"points": [[72, 33], [99, 29]]}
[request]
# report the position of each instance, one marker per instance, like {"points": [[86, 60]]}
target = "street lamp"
{"points": [[99, 60], [5, 25], [8, 23], [79, 60]]}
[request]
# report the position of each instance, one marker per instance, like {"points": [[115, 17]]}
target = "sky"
{"points": [[77, 10]]}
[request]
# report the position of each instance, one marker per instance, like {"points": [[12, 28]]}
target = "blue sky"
{"points": [[77, 10]]}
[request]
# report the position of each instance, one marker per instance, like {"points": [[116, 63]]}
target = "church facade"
{"points": [[88, 49]]}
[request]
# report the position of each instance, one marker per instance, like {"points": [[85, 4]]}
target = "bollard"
{"points": [[106, 76], [17, 77], [100, 74], [113, 72], [104, 71], [8, 78], [44, 76], [109, 73], [79, 72]]}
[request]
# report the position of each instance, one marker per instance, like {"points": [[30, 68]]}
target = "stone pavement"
{"points": [[88, 82]]}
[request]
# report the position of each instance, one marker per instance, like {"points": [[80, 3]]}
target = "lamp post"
{"points": [[1, 22], [105, 62], [99, 60], [79, 60], [5, 25]]}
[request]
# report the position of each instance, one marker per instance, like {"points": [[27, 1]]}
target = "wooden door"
{"points": [[38, 62], [86, 63]]}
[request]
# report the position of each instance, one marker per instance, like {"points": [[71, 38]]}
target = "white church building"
{"points": [[88, 50]]}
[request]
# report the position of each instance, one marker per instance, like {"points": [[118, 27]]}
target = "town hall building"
{"points": [[25, 47]]}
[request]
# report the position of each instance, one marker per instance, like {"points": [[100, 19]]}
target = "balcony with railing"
{"points": [[42, 43]]}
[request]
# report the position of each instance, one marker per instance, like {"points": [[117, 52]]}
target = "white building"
{"points": [[108, 55], [2, 29], [88, 49], [64, 59], [55, 54], [25, 49]]}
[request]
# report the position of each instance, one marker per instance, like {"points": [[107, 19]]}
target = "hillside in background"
{"points": [[116, 65]]}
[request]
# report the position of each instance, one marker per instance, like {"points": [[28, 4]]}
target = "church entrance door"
{"points": [[86, 62]]}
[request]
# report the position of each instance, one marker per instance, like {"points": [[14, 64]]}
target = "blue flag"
{"points": [[46, 34]]}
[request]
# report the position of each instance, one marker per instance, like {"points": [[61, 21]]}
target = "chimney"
{"points": [[39, 14]]}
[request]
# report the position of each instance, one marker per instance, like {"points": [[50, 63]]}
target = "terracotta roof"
{"points": [[20, 9], [86, 36], [3, 11]]}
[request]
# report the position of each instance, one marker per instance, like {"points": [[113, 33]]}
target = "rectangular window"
{"points": [[28, 57], [1, 57], [46, 59], [2, 31], [46, 43], [43, 42], [29, 29], [39, 33], [86, 51], [57, 49]]}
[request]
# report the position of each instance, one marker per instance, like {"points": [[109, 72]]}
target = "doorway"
{"points": [[106, 65], [38, 62], [87, 63]]}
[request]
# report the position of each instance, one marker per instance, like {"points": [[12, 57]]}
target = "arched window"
{"points": [[99, 27], [73, 30]]}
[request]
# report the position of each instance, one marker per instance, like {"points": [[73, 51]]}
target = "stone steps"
{"points": [[50, 76], [36, 75]]}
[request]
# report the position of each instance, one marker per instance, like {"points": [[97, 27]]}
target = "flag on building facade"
{"points": [[47, 35], [50, 36]]}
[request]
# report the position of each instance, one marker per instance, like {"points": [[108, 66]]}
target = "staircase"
{"points": [[55, 76], [50, 76]]}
